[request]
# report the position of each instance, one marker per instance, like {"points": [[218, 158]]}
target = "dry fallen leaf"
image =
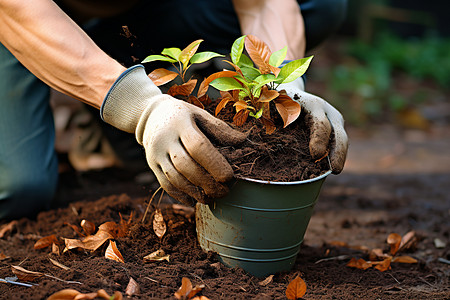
{"points": [[266, 281], [58, 264], [404, 259], [132, 287], [7, 227], [158, 255], [92, 242], [383, 265], [186, 291], [359, 264], [71, 294], [25, 275], [88, 227], [200, 298], [113, 253], [75, 228], [409, 240], [55, 249], [394, 240], [159, 226], [67, 294], [296, 288], [3, 256], [46, 242]]}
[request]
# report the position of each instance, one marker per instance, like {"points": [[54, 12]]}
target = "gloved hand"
{"points": [[174, 135], [326, 121]]}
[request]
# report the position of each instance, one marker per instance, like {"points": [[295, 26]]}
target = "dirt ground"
{"points": [[382, 190]]}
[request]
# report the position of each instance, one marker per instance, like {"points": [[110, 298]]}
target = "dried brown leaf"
{"points": [[259, 52], [184, 290], [200, 298], [266, 281], [58, 264], [296, 289], [75, 228], [222, 105], [204, 85], [288, 109], [240, 117], [377, 254], [159, 225], [195, 290], [88, 227], [7, 227], [409, 240], [55, 249], [25, 275], [113, 253], [183, 90], [267, 95], [3, 256], [383, 265], [92, 242], [359, 264], [268, 124], [195, 101], [158, 255], [71, 294], [394, 240], [46, 242], [405, 259], [162, 76], [66, 294], [132, 287]]}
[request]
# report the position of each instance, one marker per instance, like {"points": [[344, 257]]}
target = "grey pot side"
{"points": [[259, 226]]}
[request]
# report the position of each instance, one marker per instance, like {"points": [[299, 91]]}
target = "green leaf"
{"points": [[203, 56], [258, 113], [293, 70], [158, 58], [226, 84], [278, 57], [236, 49], [245, 61], [250, 73], [261, 81], [187, 53], [172, 52]]}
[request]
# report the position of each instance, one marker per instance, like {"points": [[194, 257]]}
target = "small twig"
{"points": [[160, 197], [340, 257], [149, 203], [253, 164], [426, 282], [65, 281], [15, 282], [443, 260], [394, 278]]}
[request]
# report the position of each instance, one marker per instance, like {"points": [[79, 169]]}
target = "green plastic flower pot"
{"points": [[259, 226]]}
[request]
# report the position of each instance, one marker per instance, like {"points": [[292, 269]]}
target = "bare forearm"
{"points": [[56, 50], [278, 23]]}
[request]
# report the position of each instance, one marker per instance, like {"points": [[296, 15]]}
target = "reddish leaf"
{"points": [[394, 240], [288, 109], [92, 242], [205, 83], [25, 275], [194, 100], [222, 104], [268, 124], [296, 289], [240, 105], [359, 264], [259, 52], [205, 100], [184, 290], [45, 242], [162, 76], [377, 254], [184, 90], [113, 253], [267, 95], [238, 70], [240, 117]]}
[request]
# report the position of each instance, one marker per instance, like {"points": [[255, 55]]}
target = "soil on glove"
{"points": [[355, 209]]}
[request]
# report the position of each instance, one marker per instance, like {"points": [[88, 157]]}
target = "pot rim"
{"points": [[287, 182]]}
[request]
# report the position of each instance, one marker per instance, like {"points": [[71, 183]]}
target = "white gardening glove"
{"points": [[174, 135], [326, 121]]}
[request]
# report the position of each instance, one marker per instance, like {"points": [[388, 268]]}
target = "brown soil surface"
{"points": [[358, 207]]}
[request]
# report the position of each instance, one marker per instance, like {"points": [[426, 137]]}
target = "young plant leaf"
{"points": [[206, 82], [187, 53], [277, 58], [88, 227], [162, 76], [158, 255], [157, 57], [288, 109], [293, 70], [184, 90], [296, 289], [172, 52], [259, 52], [201, 57], [245, 61], [394, 240], [226, 84], [132, 288], [250, 73], [236, 50], [113, 253], [256, 115], [159, 226], [45, 242]]}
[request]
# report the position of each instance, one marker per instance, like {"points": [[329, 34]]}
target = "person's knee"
{"points": [[26, 193]]}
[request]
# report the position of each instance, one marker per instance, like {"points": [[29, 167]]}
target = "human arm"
{"points": [[55, 49]]}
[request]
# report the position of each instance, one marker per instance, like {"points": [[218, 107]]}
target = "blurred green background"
{"points": [[389, 62]]}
